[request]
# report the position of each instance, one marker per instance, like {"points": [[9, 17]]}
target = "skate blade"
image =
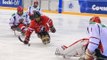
{"points": [[57, 52]]}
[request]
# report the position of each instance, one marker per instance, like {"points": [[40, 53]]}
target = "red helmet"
{"points": [[19, 9], [95, 19], [35, 3]]}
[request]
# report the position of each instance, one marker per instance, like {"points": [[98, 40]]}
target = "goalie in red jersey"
{"points": [[41, 24]]}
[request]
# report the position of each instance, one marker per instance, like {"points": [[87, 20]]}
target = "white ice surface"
{"points": [[69, 29]]}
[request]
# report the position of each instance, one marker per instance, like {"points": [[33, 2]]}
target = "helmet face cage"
{"points": [[37, 16], [35, 4]]}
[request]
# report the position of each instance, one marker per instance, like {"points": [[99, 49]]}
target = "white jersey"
{"points": [[98, 37], [14, 20], [31, 9]]}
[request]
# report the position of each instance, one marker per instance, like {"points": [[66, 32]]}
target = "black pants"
{"points": [[43, 33], [99, 56]]}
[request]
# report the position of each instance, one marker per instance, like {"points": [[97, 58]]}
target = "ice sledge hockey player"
{"points": [[19, 20], [41, 24], [33, 8], [96, 48], [97, 41]]}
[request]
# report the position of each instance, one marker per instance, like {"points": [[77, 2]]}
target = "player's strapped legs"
{"points": [[44, 36]]}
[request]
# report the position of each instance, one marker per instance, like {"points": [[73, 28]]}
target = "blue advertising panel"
{"points": [[93, 6], [60, 6], [10, 3]]}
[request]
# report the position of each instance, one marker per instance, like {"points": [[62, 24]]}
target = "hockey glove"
{"points": [[52, 29], [26, 41]]}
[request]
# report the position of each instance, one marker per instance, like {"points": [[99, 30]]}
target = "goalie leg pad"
{"points": [[74, 50]]}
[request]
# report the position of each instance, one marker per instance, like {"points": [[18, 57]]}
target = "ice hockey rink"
{"points": [[69, 28]]}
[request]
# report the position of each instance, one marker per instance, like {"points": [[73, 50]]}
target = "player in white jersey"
{"points": [[90, 48], [97, 41], [19, 20], [33, 9]]}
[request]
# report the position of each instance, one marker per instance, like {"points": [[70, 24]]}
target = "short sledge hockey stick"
{"points": [[22, 40]]}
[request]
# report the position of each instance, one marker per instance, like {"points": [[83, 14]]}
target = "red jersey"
{"points": [[36, 26]]}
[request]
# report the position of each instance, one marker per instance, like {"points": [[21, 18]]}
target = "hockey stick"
{"points": [[80, 40], [22, 40]]}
